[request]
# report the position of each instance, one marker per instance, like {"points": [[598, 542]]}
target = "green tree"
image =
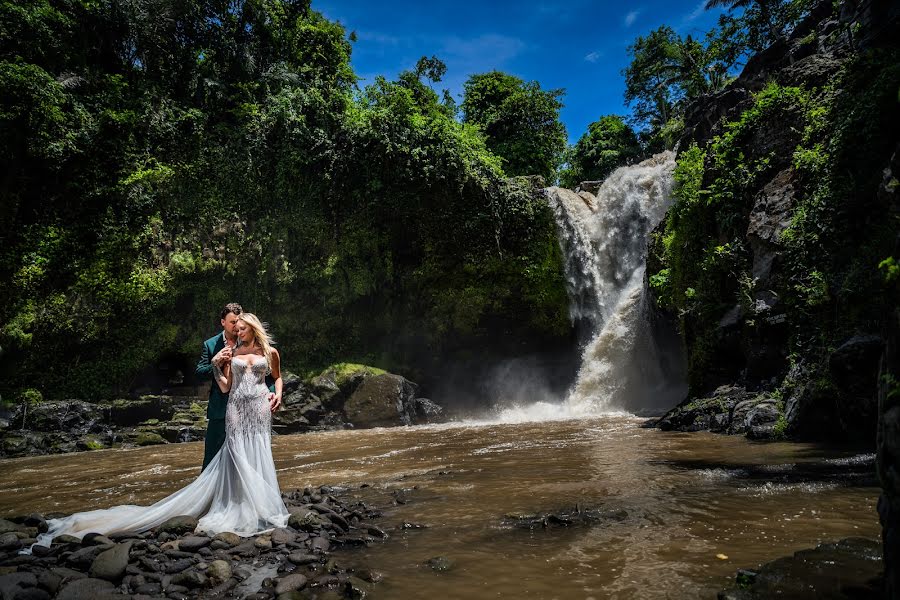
{"points": [[608, 143], [520, 122]]}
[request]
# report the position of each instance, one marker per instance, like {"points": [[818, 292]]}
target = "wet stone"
{"points": [[193, 543], [320, 544], [150, 589], [49, 581], [86, 588], [302, 558], [190, 579], [177, 566], [232, 539], [65, 539], [441, 564], [263, 543], [84, 557], [290, 583], [95, 539], [110, 564], [32, 594], [219, 570], [283, 536], [179, 525]]}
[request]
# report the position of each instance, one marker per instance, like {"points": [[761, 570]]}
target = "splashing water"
{"points": [[630, 362]]}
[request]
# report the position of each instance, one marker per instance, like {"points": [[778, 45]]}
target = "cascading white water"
{"points": [[630, 363], [605, 244]]}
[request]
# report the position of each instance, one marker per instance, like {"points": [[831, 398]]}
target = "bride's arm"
{"points": [[223, 377]]}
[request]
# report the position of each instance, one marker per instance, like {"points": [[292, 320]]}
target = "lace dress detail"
{"points": [[238, 491]]}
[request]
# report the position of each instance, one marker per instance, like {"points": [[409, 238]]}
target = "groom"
{"points": [[216, 350]]}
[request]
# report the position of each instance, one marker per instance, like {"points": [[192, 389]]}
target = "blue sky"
{"points": [[577, 45]]}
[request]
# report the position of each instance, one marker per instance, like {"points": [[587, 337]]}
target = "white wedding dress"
{"points": [[237, 492]]}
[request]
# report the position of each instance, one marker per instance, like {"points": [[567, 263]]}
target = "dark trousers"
{"points": [[215, 437]]}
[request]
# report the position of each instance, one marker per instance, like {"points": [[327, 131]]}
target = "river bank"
{"points": [[342, 396]]}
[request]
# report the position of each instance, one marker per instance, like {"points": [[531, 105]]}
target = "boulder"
{"points": [[178, 525], [95, 589], [382, 401], [110, 564]]}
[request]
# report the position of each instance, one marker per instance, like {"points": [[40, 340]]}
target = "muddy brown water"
{"points": [[691, 508]]}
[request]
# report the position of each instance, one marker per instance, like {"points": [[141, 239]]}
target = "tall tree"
{"points": [[608, 143], [520, 122]]}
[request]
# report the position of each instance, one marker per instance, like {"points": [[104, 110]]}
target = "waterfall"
{"points": [[631, 362]]}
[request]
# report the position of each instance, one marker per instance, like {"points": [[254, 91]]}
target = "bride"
{"points": [[238, 491]]}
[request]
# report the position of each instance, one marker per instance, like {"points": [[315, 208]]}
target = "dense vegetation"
{"points": [[834, 273], [159, 159]]}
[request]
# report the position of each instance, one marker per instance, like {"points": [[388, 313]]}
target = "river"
{"points": [[683, 511]]}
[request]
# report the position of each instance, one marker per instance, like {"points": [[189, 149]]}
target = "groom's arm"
{"points": [[204, 370]]}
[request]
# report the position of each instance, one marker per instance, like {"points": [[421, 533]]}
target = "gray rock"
{"points": [[440, 564], [178, 525], [12, 583], [8, 526], [302, 558], [95, 589], [357, 589], [83, 558], [177, 566], [320, 544], [96, 539], [290, 583], [232, 539], [110, 564], [190, 579], [31, 594], [382, 400], [65, 539], [193, 543], [283, 536], [219, 571]]}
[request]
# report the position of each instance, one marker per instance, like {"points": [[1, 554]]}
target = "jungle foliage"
{"points": [[159, 159]]}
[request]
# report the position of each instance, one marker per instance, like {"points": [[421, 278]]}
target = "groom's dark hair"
{"points": [[231, 307]]}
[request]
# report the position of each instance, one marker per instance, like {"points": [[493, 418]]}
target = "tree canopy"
{"points": [[520, 122], [608, 143]]}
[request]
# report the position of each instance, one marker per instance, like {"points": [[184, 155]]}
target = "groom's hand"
{"points": [[274, 401]]}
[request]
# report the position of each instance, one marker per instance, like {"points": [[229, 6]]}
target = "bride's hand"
{"points": [[274, 401]]}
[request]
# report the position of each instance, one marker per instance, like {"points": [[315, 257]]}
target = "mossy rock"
{"points": [[148, 438], [90, 442], [343, 372]]}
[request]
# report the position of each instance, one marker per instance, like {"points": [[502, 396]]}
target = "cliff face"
{"points": [[770, 257], [780, 257]]}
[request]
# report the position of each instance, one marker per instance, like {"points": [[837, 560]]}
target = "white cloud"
{"points": [[631, 17], [490, 48], [593, 57], [699, 10]]}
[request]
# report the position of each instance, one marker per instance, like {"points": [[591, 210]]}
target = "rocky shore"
{"points": [[342, 396], [172, 561]]}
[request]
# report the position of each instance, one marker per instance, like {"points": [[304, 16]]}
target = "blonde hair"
{"points": [[260, 333]]}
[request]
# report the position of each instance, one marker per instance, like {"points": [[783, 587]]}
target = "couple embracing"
{"points": [[237, 490]]}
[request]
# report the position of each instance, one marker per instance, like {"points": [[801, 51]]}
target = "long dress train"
{"points": [[238, 491]]}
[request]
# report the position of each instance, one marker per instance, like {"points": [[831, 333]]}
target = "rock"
{"points": [[65, 539], [827, 571], [441, 564], [83, 558], [95, 589], [428, 411], [307, 520], [302, 558], [263, 543], [290, 583], [11, 584], [110, 564], [131, 412], [713, 412], [32, 594], [357, 589], [10, 542], [36, 520], [283, 536], [50, 581], [219, 571], [95, 539], [179, 565], [9, 526], [148, 438], [190, 579], [178, 525], [232, 539], [320, 544], [382, 400], [193, 543]]}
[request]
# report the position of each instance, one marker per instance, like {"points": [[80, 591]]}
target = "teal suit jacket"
{"points": [[218, 400]]}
